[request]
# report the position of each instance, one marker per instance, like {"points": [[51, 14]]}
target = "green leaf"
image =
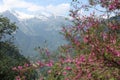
{"points": [[112, 79]]}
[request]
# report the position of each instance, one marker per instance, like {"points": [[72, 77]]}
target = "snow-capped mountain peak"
{"points": [[24, 16], [21, 15]]}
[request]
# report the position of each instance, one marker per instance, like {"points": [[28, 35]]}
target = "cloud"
{"points": [[22, 15], [3, 8], [16, 4], [35, 8], [60, 9]]}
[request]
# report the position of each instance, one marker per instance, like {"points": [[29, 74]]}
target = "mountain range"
{"points": [[39, 30]]}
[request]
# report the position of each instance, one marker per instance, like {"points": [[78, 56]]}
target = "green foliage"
{"points": [[10, 57], [9, 53], [6, 27]]}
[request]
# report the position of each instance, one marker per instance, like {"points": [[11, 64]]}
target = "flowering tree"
{"points": [[93, 52], [95, 41]]}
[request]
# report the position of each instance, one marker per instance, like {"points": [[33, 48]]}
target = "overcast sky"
{"points": [[58, 7], [36, 5], [28, 8]]}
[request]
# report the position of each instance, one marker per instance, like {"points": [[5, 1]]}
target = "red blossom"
{"points": [[68, 68], [49, 64], [20, 67], [64, 73], [86, 39]]}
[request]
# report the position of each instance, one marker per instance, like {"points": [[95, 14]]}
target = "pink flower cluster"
{"points": [[93, 52], [111, 4]]}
